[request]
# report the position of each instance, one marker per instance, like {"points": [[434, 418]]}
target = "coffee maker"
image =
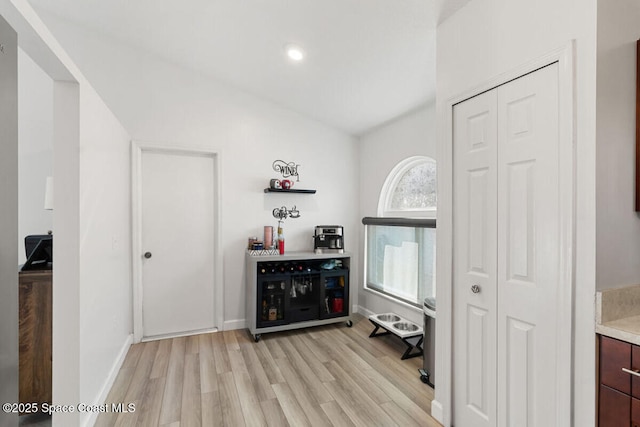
{"points": [[328, 239]]}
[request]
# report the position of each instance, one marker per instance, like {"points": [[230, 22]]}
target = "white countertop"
{"points": [[618, 313], [625, 329], [294, 255]]}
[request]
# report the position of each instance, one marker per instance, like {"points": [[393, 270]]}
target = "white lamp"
{"points": [[48, 194]]}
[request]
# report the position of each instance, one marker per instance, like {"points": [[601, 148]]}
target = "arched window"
{"points": [[400, 242], [410, 189]]}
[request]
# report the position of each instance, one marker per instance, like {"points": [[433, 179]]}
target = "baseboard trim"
{"points": [[111, 378], [178, 335], [230, 325], [364, 311], [437, 411]]}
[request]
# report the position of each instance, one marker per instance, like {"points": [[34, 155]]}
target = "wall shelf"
{"points": [[281, 190]]}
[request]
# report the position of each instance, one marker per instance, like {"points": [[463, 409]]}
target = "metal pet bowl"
{"points": [[388, 317], [405, 326]]}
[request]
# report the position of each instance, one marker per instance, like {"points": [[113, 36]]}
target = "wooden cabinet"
{"points": [[615, 355], [635, 412], [619, 389], [35, 324], [615, 408], [295, 291]]}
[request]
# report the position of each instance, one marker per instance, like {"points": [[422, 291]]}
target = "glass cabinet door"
{"points": [[304, 296], [272, 293], [335, 293]]}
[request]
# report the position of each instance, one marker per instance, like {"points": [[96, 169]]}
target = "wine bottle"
{"points": [[273, 310], [280, 239], [265, 312], [280, 314]]}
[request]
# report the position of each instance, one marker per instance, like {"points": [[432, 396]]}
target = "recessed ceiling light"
{"points": [[294, 52]]}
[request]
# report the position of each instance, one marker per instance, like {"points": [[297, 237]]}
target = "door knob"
{"points": [[475, 289], [147, 255]]}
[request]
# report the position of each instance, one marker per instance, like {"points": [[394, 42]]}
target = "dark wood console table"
{"points": [[35, 330]]}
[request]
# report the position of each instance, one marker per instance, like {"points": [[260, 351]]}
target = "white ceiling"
{"points": [[368, 61]]}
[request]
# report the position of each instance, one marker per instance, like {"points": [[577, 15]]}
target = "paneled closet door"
{"points": [[528, 249], [474, 275], [506, 251]]}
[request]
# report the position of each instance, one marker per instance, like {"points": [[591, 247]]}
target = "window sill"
{"points": [[394, 300]]}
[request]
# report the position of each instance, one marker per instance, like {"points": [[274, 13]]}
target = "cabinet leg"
{"points": [[349, 323], [256, 337]]}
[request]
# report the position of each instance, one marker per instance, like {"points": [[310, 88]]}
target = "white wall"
{"points": [[92, 273], [486, 38], [91, 278], [618, 225], [105, 250], [66, 273], [161, 103], [380, 150], [35, 149]]}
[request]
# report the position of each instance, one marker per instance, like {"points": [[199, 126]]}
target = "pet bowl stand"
{"points": [[393, 324]]}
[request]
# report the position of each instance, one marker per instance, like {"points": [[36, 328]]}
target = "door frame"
{"points": [[442, 405], [9, 220], [137, 150]]}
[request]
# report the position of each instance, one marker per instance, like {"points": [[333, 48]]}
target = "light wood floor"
{"points": [[324, 376]]}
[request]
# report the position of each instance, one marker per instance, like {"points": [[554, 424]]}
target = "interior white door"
{"points": [[475, 268], [528, 249], [506, 242], [177, 204]]}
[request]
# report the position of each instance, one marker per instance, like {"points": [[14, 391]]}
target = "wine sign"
{"points": [[286, 169]]}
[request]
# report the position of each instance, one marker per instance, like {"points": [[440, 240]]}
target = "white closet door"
{"points": [[474, 276], [506, 274], [528, 249]]}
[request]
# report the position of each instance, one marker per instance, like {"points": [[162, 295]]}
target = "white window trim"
{"points": [[393, 299], [390, 183], [400, 222]]}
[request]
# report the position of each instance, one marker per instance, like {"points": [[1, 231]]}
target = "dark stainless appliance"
{"points": [[427, 374], [328, 239]]}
